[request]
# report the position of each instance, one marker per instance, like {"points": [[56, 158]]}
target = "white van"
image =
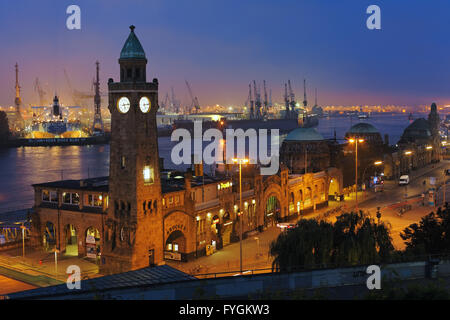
{"points": [[403, 180]]}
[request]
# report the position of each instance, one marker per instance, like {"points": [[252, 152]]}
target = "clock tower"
{"points": [[133, 236]]}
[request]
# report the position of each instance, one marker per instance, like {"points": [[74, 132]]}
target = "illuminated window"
{"points": [[169, 247], [71, 198], [175, 247], [148, 174], [53, 196], [95, 200], [122, 162], [45, 195]]}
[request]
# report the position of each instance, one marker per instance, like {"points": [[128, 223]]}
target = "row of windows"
{"points": [[171, 201], [73, 198]]}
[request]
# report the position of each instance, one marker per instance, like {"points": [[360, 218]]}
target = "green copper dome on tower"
{"points": [[132, 49]]}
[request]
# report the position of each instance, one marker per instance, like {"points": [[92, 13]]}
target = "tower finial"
{"points": [[132, 28]]}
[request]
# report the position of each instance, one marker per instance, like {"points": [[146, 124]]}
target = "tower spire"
{"points": [[97, 125], [19, 124]]}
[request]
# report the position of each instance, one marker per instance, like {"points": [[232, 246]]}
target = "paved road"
{"points": [[8, 285], [256, 256]]}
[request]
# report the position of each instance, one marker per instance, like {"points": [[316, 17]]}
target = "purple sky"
{"points": [[220, 46]]}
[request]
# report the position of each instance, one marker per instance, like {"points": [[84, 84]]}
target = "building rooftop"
{"points": [[169, 183], [132, 49], [361, 128], [304, 134], [132, 279], [92, 184], [419, 129]]}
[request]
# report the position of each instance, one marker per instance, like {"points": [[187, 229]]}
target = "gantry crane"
{"points": [[40, 91], [194, 101]]}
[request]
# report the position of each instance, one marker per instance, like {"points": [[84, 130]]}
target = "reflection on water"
{"points": [[21, 167]]}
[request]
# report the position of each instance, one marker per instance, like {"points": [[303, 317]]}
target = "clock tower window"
{"points": [[148, 175]]}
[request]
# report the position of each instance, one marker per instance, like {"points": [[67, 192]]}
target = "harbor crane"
{"points": [[305, 102], [291, 97], [249, 103], [194, 101], [40, 91], [77, 96], [165, 102], [266, 105], [286, 101]]}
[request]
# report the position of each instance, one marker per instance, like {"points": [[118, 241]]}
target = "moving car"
{"points": [[404, 180]]}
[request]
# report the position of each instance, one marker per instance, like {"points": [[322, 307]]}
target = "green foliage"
{"points": [[4, 127], [354, 238], [430, 236]]}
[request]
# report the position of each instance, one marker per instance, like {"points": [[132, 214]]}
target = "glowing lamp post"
{"points": [[240, 162], [356, 140]]}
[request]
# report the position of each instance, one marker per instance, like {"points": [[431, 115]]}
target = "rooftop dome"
{"points": [[132, 49], [419, 129], [304, 134], [362, 127]]}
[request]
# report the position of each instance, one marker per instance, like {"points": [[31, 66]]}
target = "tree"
{"points": [[355, 238], [430, 236], [4, 127]]}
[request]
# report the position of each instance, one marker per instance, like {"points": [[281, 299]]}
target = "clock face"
{"points": [[123, 105], [144, 104]]}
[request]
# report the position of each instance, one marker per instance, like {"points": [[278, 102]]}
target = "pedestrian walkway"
{"points": [[39, 269]]}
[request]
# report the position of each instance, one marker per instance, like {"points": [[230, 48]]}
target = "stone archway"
{"points": [[175, 246], [93, 241], [49, 236], [71, 240], [272, 212], [333, 189]]}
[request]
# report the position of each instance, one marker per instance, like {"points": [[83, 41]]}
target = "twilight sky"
{"points": [[220, 46]]}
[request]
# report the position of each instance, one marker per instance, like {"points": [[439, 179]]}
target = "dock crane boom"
{"points": [[40, 91], [194, 100]]}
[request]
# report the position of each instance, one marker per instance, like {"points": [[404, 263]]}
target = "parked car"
{"points": [[404, 180], [285, 226]]}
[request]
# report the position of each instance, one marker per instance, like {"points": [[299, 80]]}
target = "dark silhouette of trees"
{"points": [[355, 238], [430, 236], [4, 127]]}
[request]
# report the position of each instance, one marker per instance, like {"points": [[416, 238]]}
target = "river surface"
{"points": [[22, 167]]}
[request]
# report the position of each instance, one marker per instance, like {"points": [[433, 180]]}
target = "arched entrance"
{"points": [[333, 189], [272, 213], [308, 195], [175, 247], [92, 243], [71, 240], [227, 228], [49, 237]]}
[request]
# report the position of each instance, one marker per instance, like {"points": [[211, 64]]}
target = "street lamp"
{"points": [[240, 162], [23, 239], [356, 140]]}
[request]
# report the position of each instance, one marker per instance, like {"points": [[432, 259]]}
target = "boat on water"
{"points": [[55, 124], [363, 116]]}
